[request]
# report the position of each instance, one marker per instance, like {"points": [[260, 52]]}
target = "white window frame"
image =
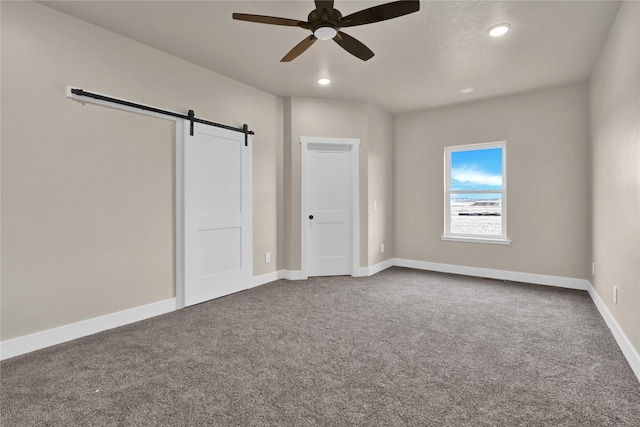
{"points": [[474, 238]]}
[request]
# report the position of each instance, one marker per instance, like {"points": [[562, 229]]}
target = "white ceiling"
{"points": [[422, 60]]}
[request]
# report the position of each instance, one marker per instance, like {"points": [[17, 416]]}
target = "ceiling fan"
{"points": [[325, 23]]}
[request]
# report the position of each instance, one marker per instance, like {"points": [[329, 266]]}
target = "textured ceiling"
{"points": [[422, 60]]}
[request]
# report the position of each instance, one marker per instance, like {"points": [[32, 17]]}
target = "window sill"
{"points": [[476, 240]]}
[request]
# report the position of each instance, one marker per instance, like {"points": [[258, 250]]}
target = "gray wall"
{"points": [[547, 181], [322, 118], [380, 177], [87, 191], [341, 119], [615, 147]]}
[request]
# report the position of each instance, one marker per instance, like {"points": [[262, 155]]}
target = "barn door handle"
{"points": [[310, 216]]}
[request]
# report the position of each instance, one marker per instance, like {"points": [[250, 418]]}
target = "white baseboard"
{"points": [[266, 278], [39, 340], [490, 273], [292, 274], [624, 343], [25, 344], [376, 268]]}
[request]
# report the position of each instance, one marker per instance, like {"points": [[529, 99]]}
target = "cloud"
{"points": [[472, 175]]}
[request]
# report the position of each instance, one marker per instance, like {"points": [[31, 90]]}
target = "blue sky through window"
{"points": [[476, 169]]}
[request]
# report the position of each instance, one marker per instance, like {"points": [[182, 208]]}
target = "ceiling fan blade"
{"points": [[381, 13], [353, 46], [324, 4], [261, 19], [299, 48]]}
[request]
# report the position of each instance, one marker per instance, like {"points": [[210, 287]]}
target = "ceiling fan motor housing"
{"points": [[323, 19]]}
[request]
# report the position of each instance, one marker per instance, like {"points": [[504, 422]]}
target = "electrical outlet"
{"points": [[267, 257], [375, 205], [615, 294], [382, 248], [593, 268]]}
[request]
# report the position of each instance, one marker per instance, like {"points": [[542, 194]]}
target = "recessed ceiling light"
{"points": [[499, 30], [467, 90], [324, 81]]}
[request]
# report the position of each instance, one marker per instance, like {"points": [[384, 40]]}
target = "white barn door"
{"points": [[217, 213]]}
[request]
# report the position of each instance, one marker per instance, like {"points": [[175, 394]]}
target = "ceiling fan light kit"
{"points": [[325, 33], [326, 23]]}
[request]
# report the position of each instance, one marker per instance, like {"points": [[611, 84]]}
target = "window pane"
{"points": [[478, 214], [476, 169]]}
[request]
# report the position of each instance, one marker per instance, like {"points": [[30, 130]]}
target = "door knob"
{"points": [[310, 216]]}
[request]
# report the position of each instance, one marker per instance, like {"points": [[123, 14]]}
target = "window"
{"points": [[476, 193]]}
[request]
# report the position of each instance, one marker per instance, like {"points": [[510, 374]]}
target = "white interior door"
{"points": [[217, 213], [329, 209]]}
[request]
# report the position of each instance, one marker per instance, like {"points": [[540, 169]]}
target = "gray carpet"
{"points": [[403, 347]]}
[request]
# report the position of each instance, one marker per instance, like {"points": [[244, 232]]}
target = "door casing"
{"points": [[353, 147]]}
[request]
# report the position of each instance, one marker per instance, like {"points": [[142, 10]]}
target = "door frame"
{"points": [[353, 145]]}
